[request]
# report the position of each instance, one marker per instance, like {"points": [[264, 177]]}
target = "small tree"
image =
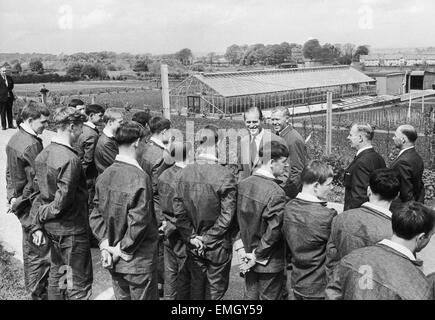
{"points": [[74, 70], [36, 66], [140, 66], [312, 49]]}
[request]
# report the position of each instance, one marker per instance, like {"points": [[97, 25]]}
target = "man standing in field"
{"points": [[409, 167], [61, 210], [205, 208], [22, 150], [250, 144], [260, 210], [367, 160], [107, 148], [124, 222], [296, 145]]}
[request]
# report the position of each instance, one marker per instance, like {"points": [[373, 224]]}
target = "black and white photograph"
{"points": [[232, 151]]}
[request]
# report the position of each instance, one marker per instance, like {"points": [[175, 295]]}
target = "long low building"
{"points": [[234, 92]]}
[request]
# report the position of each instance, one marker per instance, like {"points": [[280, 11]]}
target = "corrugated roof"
{"points": [[230, 84]]}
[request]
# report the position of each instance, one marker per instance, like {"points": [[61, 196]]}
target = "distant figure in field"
{"points": [[388, 270], [367, 225], [78, 104], [296, 145], [367, 160], [107, 148], [409, 167], [6, 98]]}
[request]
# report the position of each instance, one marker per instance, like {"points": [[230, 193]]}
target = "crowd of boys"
{"points": [[168, 226]]}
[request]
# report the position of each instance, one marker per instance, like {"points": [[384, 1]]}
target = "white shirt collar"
{"points": [[26, 128], [128, 160], [158, 142], [181, 165], [207, 157], [58, 141], [308, 197], [363, 149], [402, 151], [90, 124], [398, 247], [108, 133], [264, 173], [378, 208], [258, 138]]}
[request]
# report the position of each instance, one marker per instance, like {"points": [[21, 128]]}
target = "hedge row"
{"points": [[43, 78]]}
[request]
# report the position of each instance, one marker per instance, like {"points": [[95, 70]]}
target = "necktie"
{"points": [[5, 79], [253, 150]]}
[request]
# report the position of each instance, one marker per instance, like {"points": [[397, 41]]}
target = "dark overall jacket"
{"points": [[205, 205], [105, 152], [85, 147], [21, 151], [123, 213], [62, 205], [378, 273], [354, 229], [260, 209], [307, 227]]}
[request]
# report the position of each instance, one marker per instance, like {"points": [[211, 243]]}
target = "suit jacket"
{"points": [[6, 93], [356, 177], [245, 167], [409, 167]]}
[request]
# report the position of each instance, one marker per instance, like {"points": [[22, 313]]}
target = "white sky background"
{"points": [[166, 26]]}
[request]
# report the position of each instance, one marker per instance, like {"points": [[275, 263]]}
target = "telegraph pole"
{"points": [[165, 91]]}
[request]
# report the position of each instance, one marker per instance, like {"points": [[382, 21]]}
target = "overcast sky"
{"points": [[166, 26]]}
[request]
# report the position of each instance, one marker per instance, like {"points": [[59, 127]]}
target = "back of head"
{"points": [[129, 132], [366, 130], [33, 110], [411, 220], [208, 136], [316, 171], [410, 132], [180, 150], [111, 114], [65, 116], [385, 183], [142, 117], [158, 125], [273, 151], [94, 109], [75, 102]]}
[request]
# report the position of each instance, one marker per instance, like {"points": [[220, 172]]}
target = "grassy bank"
{"points": [[12, 277]]}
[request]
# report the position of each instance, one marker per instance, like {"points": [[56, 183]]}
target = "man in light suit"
{"points": [[250, 144], [367, 160], [409, 167], [6, 98]]}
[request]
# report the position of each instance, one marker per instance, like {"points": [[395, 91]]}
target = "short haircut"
{"points": [[283, 110], [76, 102], [410, 132], [142, 117], [159, 124], [111, 114], [180, 150], [95, 109], [128, 132], [366, 129], [411, 220], [256, 108], [34, 110], [209, 135], [65, 116], [385, 183], [316, 171], [275, 150]]}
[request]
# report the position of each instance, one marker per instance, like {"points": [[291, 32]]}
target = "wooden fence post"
{"points": [[328, 123], [165, 91]]}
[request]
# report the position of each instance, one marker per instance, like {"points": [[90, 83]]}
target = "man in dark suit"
{"points": [[367, 160], [409, 167], [6, 98]]}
